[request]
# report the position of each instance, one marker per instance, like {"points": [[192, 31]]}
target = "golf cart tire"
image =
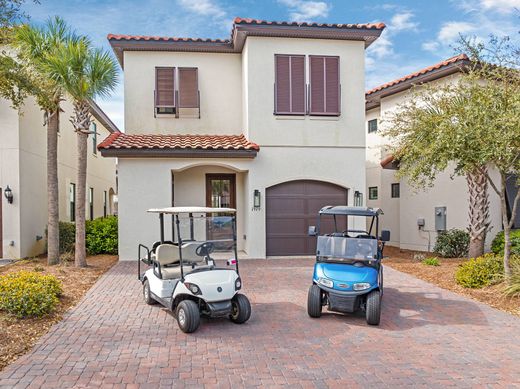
{"points": [[314, 301], [243, 309], [147, 295], [191, 313], [373, 308]]}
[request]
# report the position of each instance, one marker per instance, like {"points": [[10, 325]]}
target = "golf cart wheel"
{"points": [[188, 316], [240, 309], [314, 301], [147, 296], [373, 308]]}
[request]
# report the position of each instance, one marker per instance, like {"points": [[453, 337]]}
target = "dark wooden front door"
{"points": [[291, 208], [220, 193]]}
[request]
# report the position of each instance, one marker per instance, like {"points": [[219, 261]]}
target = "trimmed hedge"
{"points": [[452, 244], [26, 294], [497, 246], [101, 236]]}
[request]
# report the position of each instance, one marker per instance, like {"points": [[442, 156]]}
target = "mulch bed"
{"points": [[17, 336], [444, 276]]}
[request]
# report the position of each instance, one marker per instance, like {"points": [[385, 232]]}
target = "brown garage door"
{"points": [[293, 206]]}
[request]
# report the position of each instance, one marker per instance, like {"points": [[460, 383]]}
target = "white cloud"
{"points": [[403, 21], [451, 31], [303, 10], [382, 47], [432, 46], [502, 6], [203, 8]]}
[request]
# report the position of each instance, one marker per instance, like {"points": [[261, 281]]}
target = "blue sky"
{"points": [[419, 33]]}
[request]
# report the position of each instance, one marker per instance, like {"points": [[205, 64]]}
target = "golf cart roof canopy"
{"points": [[351, 211], [178, 210]]}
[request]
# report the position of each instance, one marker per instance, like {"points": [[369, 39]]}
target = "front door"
{"points": [[220, 193]]}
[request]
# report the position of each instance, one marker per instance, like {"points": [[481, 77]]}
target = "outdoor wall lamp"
{"points": [[8, 193], [256, 199], [358, 199]]}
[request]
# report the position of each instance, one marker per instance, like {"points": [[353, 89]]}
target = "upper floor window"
{"points": [[396, 191], [290, 84], [176, 88], [372, 192], [93, 130], [293, 96], [372, 126], [324, 85], [72, 202], [91, 203]]}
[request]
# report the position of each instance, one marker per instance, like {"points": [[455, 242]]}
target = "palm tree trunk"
{"points": [[81, 123], [53, 233], [478, 211]]}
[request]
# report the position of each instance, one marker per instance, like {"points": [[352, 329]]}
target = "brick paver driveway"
{"points": [[427, 337]]}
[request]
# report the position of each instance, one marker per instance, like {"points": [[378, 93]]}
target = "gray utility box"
{"points": [[440, 218]]}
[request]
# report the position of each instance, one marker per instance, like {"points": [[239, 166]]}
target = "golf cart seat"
{"points": [[170, 273], [167, 254]]}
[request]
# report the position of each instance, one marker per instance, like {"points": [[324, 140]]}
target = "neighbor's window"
{"points": [[72, 202], [372, 193], [91, 203], [372, 126], [289, 97], [165, 101], [105, 203], [93, 130], [324, 85], [396, 191]]}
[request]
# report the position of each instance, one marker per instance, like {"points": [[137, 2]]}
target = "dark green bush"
{"points": [[497, 246], [67, 237], [483, 271], [452, 244], [26, 293], [101, 236]]}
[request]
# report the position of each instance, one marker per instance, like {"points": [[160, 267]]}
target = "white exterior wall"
{"points": [[401, 214], [25, 221]]}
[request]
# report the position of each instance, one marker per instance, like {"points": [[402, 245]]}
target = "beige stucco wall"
{"points": [[401, 214], [31, 192], [220, 86]]}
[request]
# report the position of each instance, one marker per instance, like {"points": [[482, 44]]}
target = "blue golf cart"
{"points": [[348, 274]]}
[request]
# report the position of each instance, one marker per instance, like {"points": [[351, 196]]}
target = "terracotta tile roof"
{"points": [[440, 65], [375, 26], [176, 142], [118, 37]]}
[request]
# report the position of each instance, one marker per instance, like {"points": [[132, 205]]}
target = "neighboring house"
{"points": [[23, 168], [410, 215], [270, 122]]}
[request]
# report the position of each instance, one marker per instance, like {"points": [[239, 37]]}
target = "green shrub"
{"points": [[483, 271], [497, 246], [67, 237], [452, 244], [101, 236], [433, 261], [26, 293]]}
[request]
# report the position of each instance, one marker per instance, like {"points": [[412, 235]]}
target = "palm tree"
{"points": [[84, 73], [26, 72]]}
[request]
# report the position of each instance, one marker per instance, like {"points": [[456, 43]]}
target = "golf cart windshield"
{"points": [[340, 247]]}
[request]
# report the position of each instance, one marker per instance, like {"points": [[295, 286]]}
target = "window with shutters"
{"points": [[290, 84], [165, 99], [325, 90], [188, 88]]}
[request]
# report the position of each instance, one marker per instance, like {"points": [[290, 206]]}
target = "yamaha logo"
{"points": [[219, 289]]}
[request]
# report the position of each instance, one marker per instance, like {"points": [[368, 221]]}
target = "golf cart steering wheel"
{"points": [[205, 249]]}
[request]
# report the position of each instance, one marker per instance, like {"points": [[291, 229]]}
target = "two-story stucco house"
{"points": [[270, 121], [415, 217], [23, 173]]}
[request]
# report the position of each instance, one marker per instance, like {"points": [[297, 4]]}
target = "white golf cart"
{"points": [[184, 277]]}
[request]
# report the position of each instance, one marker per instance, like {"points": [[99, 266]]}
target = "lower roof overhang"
{"points": [[177, 153]]}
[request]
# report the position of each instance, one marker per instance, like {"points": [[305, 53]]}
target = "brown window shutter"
{"points": [[332, 96], [165, 87], [290, 84], [282, 84], [297, 84], [188, 88], [324, 79]]}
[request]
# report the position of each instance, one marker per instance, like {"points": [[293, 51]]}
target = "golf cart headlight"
{"points": [[238, 283], [361, 286], [193, 288], [325, 282]]}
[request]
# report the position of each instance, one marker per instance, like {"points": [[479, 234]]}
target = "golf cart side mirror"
{"points": [[312, 231], [385, 235]]}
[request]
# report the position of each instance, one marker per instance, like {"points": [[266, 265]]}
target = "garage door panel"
{"points": [[291, 208]]}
